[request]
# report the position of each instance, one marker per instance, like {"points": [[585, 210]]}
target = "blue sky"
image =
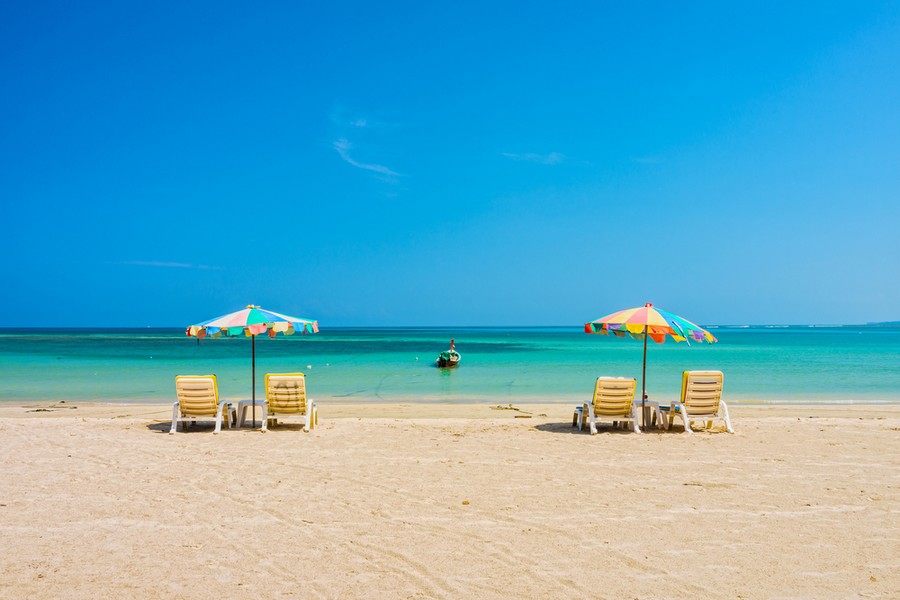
{"points": [[472, 163]]}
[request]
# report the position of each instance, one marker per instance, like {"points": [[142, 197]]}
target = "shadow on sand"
{"points": [[602, 429], [209, 426]]}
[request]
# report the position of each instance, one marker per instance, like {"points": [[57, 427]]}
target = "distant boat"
{"points": [[448, 358]]}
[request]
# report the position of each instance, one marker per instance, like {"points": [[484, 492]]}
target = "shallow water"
{"points": [[503, 365]]}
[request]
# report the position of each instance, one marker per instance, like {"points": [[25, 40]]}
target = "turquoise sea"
{"points": [[796, 364]]}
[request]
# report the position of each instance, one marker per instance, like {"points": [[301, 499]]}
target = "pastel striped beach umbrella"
{"points": [[251, 322], [649, 322]]}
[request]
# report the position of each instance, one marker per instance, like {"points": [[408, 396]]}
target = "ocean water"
{"points": [[797, 364]]}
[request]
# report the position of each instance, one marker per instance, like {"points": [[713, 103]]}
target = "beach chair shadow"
{"points": [[566, 428], [186, 426], [159, 426]]}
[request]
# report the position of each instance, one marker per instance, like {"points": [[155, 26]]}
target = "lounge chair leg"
{"points": [[219, 418], [593, 419], [174, 418], [634, 422], [687, 420], [265, 418], [728, 427]]}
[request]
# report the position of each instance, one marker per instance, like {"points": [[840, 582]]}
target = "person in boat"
{"points": [[449, 357]]}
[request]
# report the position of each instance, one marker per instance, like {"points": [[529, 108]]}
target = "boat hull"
{"points": [[447, 359]]}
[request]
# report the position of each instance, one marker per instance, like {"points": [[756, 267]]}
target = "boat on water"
{"points": [[449, 358]]}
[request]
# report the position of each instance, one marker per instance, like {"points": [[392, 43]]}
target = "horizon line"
{"points": [[572, 326]]}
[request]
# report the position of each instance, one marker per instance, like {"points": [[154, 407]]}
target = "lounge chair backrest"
{"points": [[197, 394], [286, 392], [701, 392], [613, 395]]}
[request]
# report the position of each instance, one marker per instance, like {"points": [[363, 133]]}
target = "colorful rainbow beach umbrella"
{"points": [[649, 322], [251, 322]]}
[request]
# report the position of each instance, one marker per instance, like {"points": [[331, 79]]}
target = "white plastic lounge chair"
{"points": [[285, 395], [613, 401], [198, 397], [701, 400]]}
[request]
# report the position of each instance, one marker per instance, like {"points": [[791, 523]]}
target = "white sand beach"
{"points": [[448, 501]]}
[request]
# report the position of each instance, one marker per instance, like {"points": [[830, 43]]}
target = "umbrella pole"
{"points": [[644, 383], [253, 376]]}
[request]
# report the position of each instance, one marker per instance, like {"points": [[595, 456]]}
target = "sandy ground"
{"points": [[440, 501]]}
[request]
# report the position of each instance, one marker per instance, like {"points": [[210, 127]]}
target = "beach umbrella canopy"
{"points": [[649, 322], [251, 322]]}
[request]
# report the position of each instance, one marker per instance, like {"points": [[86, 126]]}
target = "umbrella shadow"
{"points": [[559, 427], [287, 427], [209, 426], [160, 426], [199, 427], [602, 429]]}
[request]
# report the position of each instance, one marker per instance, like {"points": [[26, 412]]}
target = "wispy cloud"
{"points": [[553, 158], [167, 265], [343, 146], [356, 131]]}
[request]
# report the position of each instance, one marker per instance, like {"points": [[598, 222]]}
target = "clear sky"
{"points": [[463, 163]]}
